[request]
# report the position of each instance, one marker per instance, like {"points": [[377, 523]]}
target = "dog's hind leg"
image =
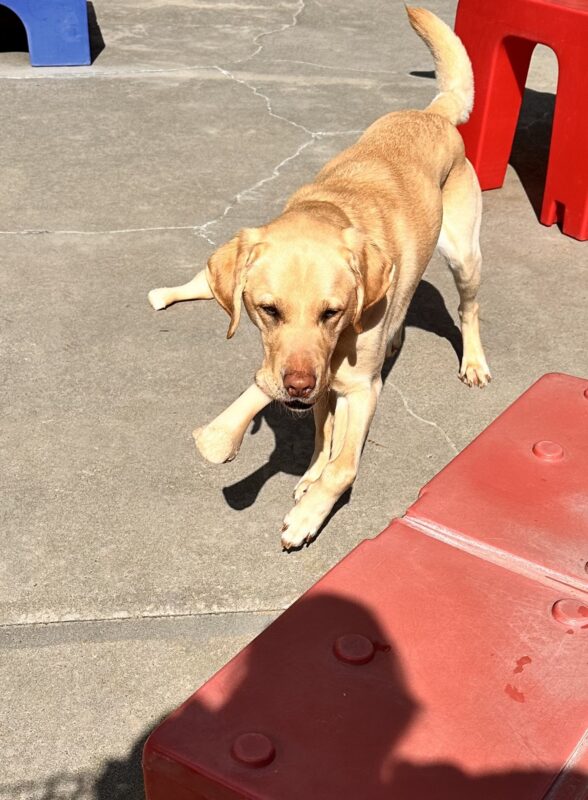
{"points": [[459, 244], [196, 289]]}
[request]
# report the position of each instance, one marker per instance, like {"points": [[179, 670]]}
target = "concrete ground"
{"points": [[131, 569]]}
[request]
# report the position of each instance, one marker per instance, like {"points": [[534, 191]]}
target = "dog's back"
{"points": [[393, 175]]}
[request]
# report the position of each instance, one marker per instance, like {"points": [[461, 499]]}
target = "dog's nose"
{"points": [[299, 384]]}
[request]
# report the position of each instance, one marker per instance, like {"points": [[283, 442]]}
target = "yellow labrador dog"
{"points": [[328, 283]]}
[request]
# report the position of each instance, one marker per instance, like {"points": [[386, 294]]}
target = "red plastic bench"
{"points": [[445, 659]]}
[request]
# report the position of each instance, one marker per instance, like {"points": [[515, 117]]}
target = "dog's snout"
{"points": [[298, 383]]}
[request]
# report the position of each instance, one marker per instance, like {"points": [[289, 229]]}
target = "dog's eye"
{"points": [[329, 314], [271, 311]]}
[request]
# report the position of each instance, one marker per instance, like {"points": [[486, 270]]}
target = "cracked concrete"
{"points": [[418, 417], [131, 570]]}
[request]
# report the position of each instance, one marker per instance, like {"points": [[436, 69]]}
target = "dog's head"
{"points": [[302, 282]]}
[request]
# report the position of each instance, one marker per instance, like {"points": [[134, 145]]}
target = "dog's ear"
{"points": [[227, 271], [372, 270]]}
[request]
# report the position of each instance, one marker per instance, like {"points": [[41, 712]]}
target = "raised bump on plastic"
{"points": [[354, 648], [548, 451], [253, 750]]}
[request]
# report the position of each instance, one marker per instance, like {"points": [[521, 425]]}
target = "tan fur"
{"points": [[455, 77], [355, 241]]}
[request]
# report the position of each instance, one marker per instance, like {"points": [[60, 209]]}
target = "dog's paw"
{"points": [[157, 298], [215, 444], [475, 373], [300, 527]]}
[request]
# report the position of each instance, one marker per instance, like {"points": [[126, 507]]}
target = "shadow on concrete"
{"points": [[293, 448], [423, 73], [530, 149], [123, 779], [428, 312], [96, 41], [294, 434]]}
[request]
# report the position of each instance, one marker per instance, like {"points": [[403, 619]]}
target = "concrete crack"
{"points": [[268, 104], [203, 229], [301, 5], [430, 422], [93, 73], [41, 231]]}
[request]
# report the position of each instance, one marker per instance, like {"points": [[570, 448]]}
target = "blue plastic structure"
{"points": [[57, 31]]}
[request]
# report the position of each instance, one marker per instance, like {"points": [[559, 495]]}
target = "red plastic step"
{"points": [[519, 493], [412, 670]]}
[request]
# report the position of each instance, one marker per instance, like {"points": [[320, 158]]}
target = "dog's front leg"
{"points": [[324, 416], [196, 289], [220, 440], [304, 520]]}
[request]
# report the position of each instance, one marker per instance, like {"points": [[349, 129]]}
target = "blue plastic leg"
{"points": [[57, 31]]}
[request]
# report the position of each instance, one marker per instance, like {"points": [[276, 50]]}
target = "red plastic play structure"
{"points": [[445, 659], [500, 36]]}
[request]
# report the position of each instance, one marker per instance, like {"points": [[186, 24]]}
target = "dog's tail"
{"points": [[455, 78]]}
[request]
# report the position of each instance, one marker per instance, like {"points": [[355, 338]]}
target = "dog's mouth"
{"points": [[298, 405]]}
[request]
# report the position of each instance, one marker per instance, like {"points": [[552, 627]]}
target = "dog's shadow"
{"points": [[294, 435], [294, 444]]}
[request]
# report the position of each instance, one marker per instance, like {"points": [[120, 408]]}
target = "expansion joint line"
{"points": [[501, 558]]}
